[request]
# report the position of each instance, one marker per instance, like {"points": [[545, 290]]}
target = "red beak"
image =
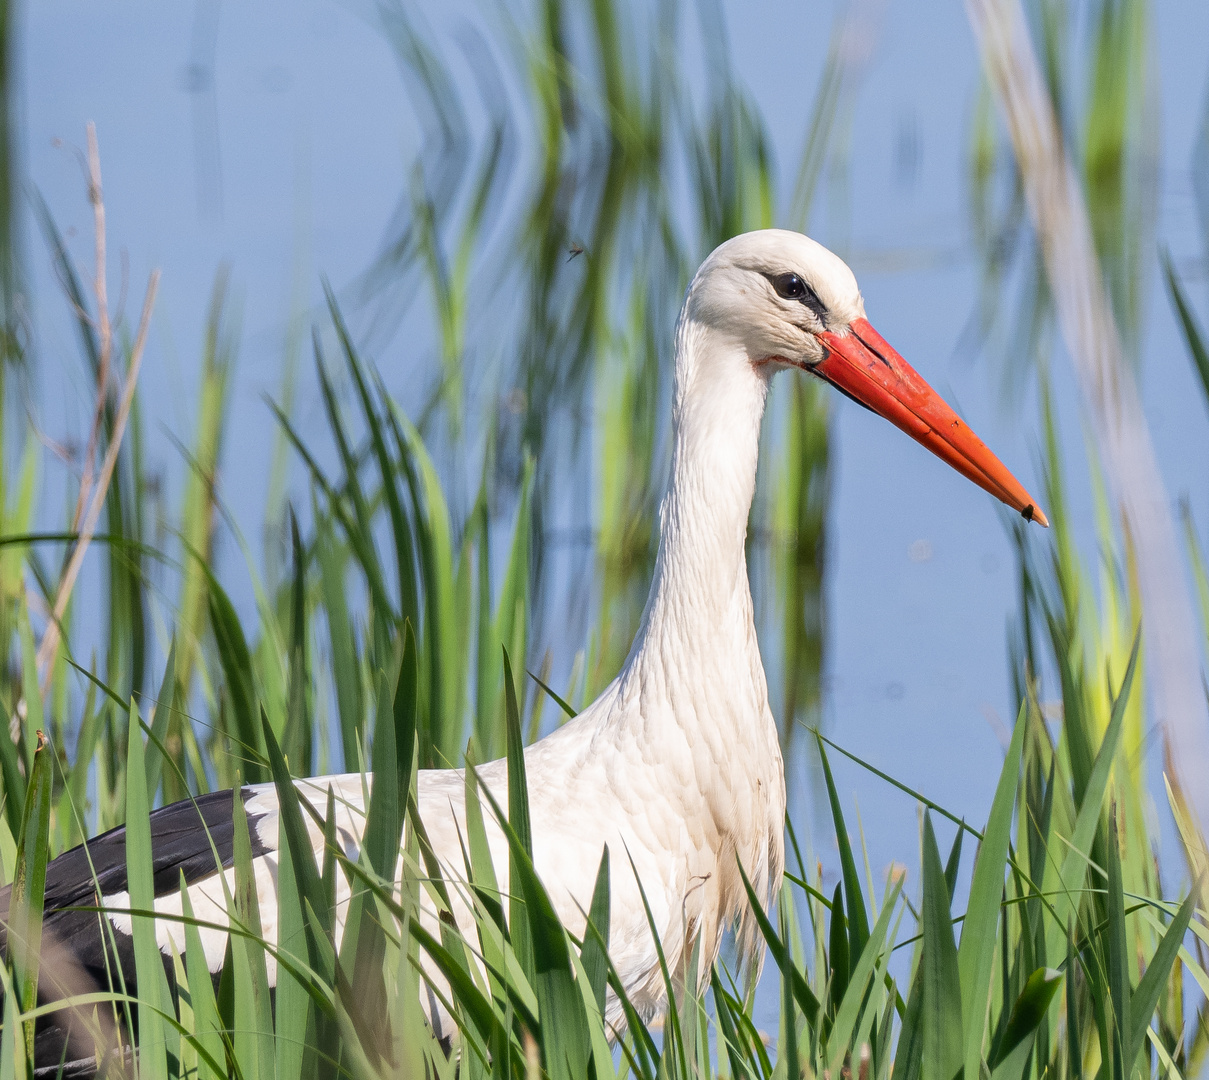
{"points": [[862, 365]]}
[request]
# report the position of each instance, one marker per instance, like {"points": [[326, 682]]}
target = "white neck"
{"points": [[699, 609]]}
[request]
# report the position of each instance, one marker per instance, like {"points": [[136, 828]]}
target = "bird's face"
{"points": [[788, 302], [776, 292]]}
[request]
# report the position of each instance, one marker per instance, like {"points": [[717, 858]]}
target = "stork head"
{"points": [[788, 302]]}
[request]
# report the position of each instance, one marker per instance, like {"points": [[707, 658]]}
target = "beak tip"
{"points": [[1034, 513]]}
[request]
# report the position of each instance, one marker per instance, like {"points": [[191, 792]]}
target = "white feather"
{"points": [[677, 764]]}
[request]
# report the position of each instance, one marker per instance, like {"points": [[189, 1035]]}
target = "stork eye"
{"points": [[789, 286]]}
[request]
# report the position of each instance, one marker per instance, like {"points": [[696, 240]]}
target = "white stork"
{"points": [[677, 762]]}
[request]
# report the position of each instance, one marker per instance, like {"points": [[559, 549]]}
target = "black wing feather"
{"points": [[185, 838]]}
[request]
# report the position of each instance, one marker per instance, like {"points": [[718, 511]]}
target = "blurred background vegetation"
{"points": [[520, 305]]}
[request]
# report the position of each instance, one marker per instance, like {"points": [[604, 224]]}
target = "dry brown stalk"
{"points": [[91, 498], [104, 329], [1085, 316]]}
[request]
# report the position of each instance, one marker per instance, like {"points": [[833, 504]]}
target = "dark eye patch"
{"points": [[790, 286]]}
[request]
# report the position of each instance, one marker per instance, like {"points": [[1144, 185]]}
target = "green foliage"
{"points": [[397, 603], [29, 886]]}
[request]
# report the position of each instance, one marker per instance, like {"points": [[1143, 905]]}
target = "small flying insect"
{"points": [[573, 250]]}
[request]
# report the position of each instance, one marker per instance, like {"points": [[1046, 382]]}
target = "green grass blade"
{"points": [[728, 1033], [1118, 956], [917, 796], [512, 617], [296, 734], [204, 1008], [839, 963], [952, 864], [883, 1059], [570, 712], [394, 745], [165, 705], [1028, 1012], [199, 503], [364, 934], [1194, 337], [487, 730], [75, 794], [10, 770], [849, 1012], [444, 650], [405, 559], [236, 663], [976, 954], [154, 997], [362, 547], [330, 850], [312, 898], [346, 669], [252, 1001], [908, 1060], [564, 1033], [673, 1046], [595, 946], [858, 919], [807, 1002], [1074, 866], [600, 1059], [941, 1019], [352, 482], [482, 865], [468, 995], [29, 885], [518, 819], [295, 1014], [788, 1054], [31, 692], [14, 1062], [1074, 1034], [1150, 988]]}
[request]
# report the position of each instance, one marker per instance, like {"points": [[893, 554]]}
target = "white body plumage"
{"points": [[676, 766]]}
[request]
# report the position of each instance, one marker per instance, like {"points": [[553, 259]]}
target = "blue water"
{"points": [[275, 138]]}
